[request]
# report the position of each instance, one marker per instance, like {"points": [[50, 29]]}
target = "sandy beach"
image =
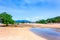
{"points": [[45, 25], [23, 33], [8, 33]]}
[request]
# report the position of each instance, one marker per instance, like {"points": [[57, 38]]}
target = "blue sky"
{"points": [[31, 9]]}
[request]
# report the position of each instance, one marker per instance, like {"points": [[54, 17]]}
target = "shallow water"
{"points": [[48, 33]]}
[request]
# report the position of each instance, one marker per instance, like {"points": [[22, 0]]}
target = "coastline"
{"points": [[18, 34], [23, 33]]}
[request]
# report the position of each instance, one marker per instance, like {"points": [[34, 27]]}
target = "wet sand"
{"points": [[46, 33]]}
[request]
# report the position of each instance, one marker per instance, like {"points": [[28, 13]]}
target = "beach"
{"points": [[45, 25], [24, 33], [8, 33]]}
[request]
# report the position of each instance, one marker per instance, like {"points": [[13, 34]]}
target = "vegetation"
{"points": [[42, 21], [6, 18], [50, 20]]}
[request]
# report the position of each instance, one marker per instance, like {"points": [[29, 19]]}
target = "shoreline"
{"points": [[34, 25], [23, 32], [18, 34]]}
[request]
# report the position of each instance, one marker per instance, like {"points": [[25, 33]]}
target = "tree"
{"points": [[57, 19], [54, 20], [50, 20], [6, 18], [42, 21]]}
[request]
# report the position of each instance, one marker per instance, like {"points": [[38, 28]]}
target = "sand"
{"points": [[9, 33], [45, 25], [23, 33]]}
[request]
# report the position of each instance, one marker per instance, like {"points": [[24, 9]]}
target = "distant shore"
{"points": [[50, 25], [53, 25]]}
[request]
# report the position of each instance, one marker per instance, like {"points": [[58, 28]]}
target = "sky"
{"points": [[32, 10]]}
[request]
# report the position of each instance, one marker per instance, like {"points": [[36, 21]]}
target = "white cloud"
{"points": [[33, 18]]}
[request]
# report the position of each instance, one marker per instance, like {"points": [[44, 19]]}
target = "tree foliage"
{"points": [[6, 18], [42, 21], [50, 20]]}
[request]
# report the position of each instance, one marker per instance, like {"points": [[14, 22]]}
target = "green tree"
{"points": [[6, 18], [57, 19], [50, 20], [42, 21]]}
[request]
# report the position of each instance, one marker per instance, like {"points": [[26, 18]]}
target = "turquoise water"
{"points": [[47, 33]]}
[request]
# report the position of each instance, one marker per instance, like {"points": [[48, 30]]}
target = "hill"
{"points": [[23, 21]]}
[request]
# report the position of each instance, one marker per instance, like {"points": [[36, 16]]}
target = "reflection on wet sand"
{"points": [[57, 29], [47, 33]]}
